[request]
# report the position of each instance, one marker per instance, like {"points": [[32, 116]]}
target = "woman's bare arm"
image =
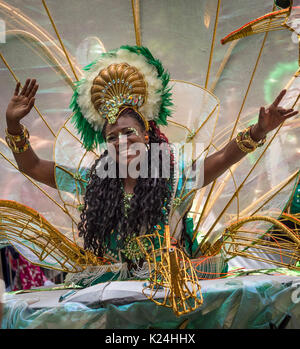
{"points": [[216, 164], [28, 162]]}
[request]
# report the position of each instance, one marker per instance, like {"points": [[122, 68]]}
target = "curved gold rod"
{"points": [[249, 85], [223, 64], [59, 39], [16, 15], [33, 182], [225, 131], [56, 64], [239, 188], [37, 110], [277, 189], [212, 43]]}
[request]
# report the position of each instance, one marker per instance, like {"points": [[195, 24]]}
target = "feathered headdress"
{"points": [[128, 76]]}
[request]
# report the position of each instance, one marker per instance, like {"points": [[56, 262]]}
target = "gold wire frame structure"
{"points": [[183, 285], [172, 271], [278, 241], [24, 227], [275, 20]]}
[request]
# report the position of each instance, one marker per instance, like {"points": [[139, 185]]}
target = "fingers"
{"points": [[33, 91], [17, 88], [279, 98], [29, 88], [286, 113], [283, 111], [25, 87], [30, 104], [262, 111], [290, 114]]}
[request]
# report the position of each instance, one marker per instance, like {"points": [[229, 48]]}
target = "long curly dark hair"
{"points": [[103, 210]]}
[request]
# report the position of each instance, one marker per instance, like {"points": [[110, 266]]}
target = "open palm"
{"points": [[21, 104]]}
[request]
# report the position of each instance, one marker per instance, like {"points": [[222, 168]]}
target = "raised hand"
{"points": [[21, 103], [272, 117]]}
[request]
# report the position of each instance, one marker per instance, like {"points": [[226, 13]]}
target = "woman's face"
{"points": [[127, 137]]}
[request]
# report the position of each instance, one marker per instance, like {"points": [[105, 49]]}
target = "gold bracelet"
{"points": [[240, 143], [251, 141], [23, 148], [246, 143], [11, 141], [18, 138], [16, 149]]}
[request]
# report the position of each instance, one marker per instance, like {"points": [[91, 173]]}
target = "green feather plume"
{"points": [[89, 137], [164, 76]]}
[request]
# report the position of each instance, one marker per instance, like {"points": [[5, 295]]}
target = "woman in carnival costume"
{"points": [[121, 102]]}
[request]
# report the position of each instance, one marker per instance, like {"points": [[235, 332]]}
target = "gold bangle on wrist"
{"points": [[20, 137], [251, 141], [241, 144], [12, 141], [246, 143], [15, 148], [22, 148]]}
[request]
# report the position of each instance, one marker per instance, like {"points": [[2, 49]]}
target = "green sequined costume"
{"points": [[182, 183]]}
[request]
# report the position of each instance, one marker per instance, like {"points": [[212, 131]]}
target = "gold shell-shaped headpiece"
{"points": [[115, 86]]}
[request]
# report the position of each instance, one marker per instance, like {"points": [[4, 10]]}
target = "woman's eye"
{"points": [[131, 131], [111, 139]]}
